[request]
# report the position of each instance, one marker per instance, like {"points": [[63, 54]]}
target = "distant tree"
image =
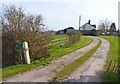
{"points": [[118, 32], [1, 22], [104, 25], [112, 27]]}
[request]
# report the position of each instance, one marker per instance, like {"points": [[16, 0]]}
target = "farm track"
{"points": [[91, 70], [46, 73]]}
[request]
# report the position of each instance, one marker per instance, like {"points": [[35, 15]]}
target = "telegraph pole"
{"points": [[79, 21]]}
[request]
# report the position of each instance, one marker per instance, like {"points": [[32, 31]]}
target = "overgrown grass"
{"points": [[60, 50], [58, 41], [59, 36], [109, 76], [56, 52], [75, 64]]}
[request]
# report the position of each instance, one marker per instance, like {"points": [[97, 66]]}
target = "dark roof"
{"points": [[94, 26], [64, 30], [69, 28]]}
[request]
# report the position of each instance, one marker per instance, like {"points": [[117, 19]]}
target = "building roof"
{"points": [[94, 26], [69, 28], [88, 26]]}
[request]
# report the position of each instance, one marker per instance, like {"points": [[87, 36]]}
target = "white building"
{"points": [[88, 26]]}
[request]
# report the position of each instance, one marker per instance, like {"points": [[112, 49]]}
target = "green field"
{"points": [[109, 76], [56, 52]]}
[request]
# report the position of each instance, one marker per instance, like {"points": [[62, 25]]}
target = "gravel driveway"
{"points": [[46, 73], [91, 70]]}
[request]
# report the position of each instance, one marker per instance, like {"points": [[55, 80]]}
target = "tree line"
{"points": [[106, 26]]}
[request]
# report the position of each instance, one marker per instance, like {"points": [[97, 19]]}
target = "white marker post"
{"points": [[26, 52]]}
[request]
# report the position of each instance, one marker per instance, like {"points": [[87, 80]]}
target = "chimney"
{"points": [[88, 21]]}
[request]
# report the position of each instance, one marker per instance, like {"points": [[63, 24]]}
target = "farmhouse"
{"points": [[86, 28], [69, 29]]}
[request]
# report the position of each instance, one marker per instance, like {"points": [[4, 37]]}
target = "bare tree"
{"points": [[1, 22], [14, 17], [17, 20], [104, 25]]}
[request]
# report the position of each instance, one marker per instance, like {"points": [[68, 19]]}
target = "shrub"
{"points": [[20, 27], [73, 38], [93, 32]]}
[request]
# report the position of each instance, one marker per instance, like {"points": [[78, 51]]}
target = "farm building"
{"points": [[66, 30]]}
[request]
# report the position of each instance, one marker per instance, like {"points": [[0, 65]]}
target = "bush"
{"points": [[73, 38], [20, 27], [37, 46], [93, 32]]}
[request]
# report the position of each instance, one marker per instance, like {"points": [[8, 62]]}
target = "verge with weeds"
{"points": [[109, 75]]}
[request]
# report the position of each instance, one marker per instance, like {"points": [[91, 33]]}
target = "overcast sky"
{"points": [[65, 13]]}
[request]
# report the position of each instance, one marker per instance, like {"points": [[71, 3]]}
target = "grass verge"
{"points": [[56, 52], [75, 64], [109, 76], [59, 36]]}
